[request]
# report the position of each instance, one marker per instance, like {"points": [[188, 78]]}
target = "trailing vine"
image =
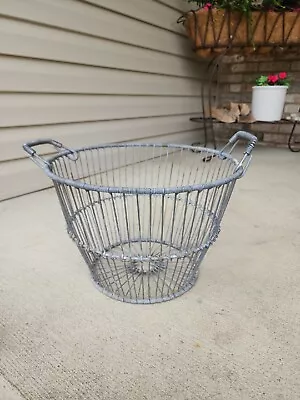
{"points": [[246, 6]]}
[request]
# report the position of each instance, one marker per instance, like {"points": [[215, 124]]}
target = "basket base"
{"points": [[145, 300], [154, 275]]}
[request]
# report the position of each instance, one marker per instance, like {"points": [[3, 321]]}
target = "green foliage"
{"points": [[262, 81], [280, 79], [248, 5]]}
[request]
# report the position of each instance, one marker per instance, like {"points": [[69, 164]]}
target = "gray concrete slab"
{"points": [[234, 336], [8, 392]]}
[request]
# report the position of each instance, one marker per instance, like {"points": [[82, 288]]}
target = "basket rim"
{"points": [[79, 184]]}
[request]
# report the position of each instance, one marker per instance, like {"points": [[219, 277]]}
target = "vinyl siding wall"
{"points": [[88, 72]]}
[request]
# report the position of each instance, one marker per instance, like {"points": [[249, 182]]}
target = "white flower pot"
{"points": [[268, 102]]}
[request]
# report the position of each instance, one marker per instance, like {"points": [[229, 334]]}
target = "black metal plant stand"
{"points": [[292, 142], [210, 97], [279, 33]]}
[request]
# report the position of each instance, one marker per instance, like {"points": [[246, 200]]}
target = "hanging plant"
{"points": [[243, 26]]}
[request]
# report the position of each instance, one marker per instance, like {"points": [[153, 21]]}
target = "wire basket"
{"points": [[144, 215]]}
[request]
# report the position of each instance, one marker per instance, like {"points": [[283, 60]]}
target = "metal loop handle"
{"points": [[40, 161], [233, 141]]}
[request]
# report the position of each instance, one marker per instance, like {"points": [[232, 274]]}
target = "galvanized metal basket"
{"points": [[144, 215]]}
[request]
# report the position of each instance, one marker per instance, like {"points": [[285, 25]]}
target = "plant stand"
{"points": [[217, 33], [209, 97], [295, 119]]}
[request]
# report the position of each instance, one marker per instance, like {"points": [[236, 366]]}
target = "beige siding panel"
{"points": [[25, 75], [88, 72], [148, 11], [82, 17], [179, 5], [81, 134], [33, 109], [23, 176], [28, 40]]}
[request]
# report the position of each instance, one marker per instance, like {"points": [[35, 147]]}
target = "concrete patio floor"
{"points": [[234, 336]]}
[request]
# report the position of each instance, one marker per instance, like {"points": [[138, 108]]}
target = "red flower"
{"points": [[282, 75], [272, 79], [207, 6]]}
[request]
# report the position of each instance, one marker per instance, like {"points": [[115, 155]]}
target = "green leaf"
{"points": [[262, 81]]}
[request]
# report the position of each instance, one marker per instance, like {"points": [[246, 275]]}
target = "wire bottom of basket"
{"points": [[144, 280]]}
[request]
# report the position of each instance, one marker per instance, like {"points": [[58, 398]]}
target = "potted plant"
{"points": [[242, 26], [268, 97]]}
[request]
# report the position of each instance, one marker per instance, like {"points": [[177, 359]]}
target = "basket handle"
{"points": [[40, 161], [233, 141]]}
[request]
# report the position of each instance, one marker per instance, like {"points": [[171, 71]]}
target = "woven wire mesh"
{"points": [[144, 216]]}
